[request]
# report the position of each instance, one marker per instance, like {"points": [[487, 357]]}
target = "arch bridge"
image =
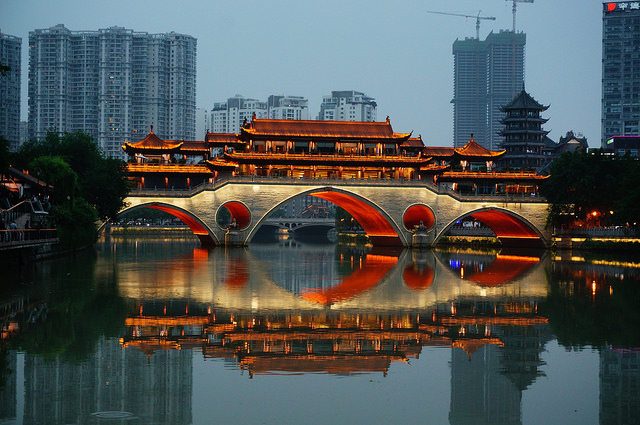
{"points": [[392, 213]]}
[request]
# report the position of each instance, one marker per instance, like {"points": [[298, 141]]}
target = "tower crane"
{"points": [[477, 17], [515, 3]]}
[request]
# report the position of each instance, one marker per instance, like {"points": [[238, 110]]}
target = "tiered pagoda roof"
{"points": [[152, 145], [524, 101], [473, 151], [318, 130]]}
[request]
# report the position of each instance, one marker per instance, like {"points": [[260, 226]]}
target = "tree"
{"points": [[582, 183]]}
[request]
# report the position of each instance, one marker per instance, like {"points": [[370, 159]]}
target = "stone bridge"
{"points": [[392, 213]]}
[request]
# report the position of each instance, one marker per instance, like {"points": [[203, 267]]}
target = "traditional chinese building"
{"points": [[269, 148], [523, 133]]}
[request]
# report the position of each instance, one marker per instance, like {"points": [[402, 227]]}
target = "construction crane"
{"points": [[477, 17], [515, 3]]}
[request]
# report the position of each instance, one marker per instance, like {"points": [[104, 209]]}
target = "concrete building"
{"points": [[10, 55], [620, 65], [288, 107], [229, 116], [487, 75], [347, 106], [112, 84]]}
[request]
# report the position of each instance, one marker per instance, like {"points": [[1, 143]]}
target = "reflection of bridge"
{"points": [[389, 211]]}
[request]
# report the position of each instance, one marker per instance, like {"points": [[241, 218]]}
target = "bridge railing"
{"points": [[501, 197], [21, 237]]}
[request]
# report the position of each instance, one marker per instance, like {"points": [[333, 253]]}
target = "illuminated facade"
{"points": [[487, 75], [112, 84], [620, 65], [11, 56], [320, 150]]}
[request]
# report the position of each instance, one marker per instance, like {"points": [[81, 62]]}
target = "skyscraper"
{"points": [[112, 84], [487, 75], [347, 106], [10, 55], [620, 69]]}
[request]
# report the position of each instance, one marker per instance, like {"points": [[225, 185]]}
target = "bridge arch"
{"points": [[510, 228], [418, 214], [199, 228], [239, 212], [378, 224]]}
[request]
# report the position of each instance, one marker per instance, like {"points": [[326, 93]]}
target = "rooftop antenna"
{"points": [[515, 3], [477, 17]]}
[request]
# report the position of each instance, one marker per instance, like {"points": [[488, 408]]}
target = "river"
{"points": [[158, 330]]}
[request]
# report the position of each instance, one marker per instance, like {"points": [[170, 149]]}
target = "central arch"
{"points": [[379, 228], [511, 229]]}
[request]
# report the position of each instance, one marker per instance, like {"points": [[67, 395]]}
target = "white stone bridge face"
{"points": [[392, 213]]}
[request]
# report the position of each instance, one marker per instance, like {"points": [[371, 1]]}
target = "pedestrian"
{"points": [[27, 230], [13, 228]]}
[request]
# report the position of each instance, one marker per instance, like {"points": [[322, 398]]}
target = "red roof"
{"points": [[322, 129], [474, 150], [438, 152], [152, 143], [221, 138]]}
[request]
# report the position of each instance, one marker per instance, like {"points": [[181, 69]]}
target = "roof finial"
{"points": [[388, 120], [471, 137], [151, 129]]}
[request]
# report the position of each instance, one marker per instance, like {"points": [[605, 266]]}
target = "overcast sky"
{"points": [[394, 51]]}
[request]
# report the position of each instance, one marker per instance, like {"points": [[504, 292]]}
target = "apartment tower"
{"points": [[113, 84], [487, 75]]}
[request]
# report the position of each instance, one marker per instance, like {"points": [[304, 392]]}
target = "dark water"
{"points": [[160, 331]]}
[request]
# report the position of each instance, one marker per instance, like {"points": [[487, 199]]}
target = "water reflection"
{"points": [[116, 335]]}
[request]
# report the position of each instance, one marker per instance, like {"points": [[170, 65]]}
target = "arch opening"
{"points": [[417, 215], [196, 226], [378, 228], [239, 215], [512, 230]]}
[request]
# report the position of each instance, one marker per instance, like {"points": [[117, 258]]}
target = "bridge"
{"points": [[408, 213]]}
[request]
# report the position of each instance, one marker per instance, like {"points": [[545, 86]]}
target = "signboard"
{"points": [[623, 6]]}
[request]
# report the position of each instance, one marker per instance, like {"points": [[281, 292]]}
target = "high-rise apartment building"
{"points": [[10, 56], [288, 107], [347, 106], [113, 84], [487, 75], [620, 69], [228, 117]]}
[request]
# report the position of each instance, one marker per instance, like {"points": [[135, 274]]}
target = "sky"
{"points": [[394, 51]]}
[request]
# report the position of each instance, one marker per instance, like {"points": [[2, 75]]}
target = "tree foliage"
{"points": [[86, 184], [581, 183]]}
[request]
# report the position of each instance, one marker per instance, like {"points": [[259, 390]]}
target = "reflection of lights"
{"points": [[593, 287], [610, 290], [461, 273]]}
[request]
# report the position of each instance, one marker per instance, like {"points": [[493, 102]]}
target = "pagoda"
{"points": [[523, 134]]}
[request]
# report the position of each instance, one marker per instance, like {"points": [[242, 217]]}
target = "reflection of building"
{"points": [[620, 76], [112, 383], [112, 84], [487, 75], [619, 386], [487, 384]]}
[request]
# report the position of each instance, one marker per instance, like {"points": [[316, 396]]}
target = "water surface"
{"points": [[160, 330]]}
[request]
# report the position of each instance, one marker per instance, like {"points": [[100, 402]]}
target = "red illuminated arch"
{"points": [[510, 229], [417, 277], [239, 212], [375, 269], [416, 214], [198, 228], [503, 270], [378, 228]]}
